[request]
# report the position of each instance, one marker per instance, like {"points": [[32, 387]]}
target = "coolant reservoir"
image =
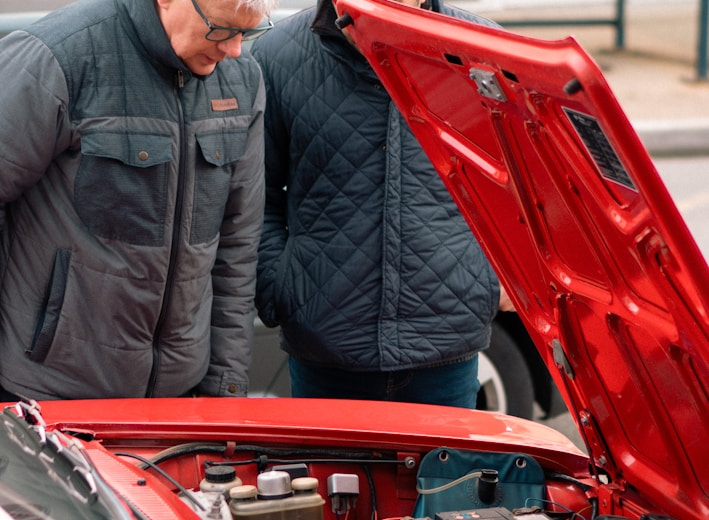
{"points": [[219, 479], [277, 498], [213, 491]]}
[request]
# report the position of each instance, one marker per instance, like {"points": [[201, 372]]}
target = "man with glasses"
{"points": [[375, 279], [131, 196]]}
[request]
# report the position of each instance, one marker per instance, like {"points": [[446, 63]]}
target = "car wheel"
{"points": [[506, 384]]}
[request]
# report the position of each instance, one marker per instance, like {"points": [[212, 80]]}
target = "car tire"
{"points": [[506, 384]]}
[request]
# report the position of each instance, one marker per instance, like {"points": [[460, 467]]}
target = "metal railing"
{"points": [[617, 21], [702, 40]]}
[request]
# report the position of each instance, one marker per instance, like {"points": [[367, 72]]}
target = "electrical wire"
{"points": [[372, 492], [566, 478], [574, 514], [187, 448], [165, 475]]}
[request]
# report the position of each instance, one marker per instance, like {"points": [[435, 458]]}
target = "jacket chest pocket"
{"points": [[121, 185], [218, 155]]}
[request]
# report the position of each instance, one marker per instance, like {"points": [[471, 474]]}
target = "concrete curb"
{"points": [[675, 137]]}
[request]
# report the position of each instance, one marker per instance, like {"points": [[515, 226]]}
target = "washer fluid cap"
{"points": [[274, 484], [304, 484], [219, 474], [245, 492]]}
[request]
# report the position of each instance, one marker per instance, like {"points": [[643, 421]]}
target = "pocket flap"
{"points": [[222, 148], [134, 149]]}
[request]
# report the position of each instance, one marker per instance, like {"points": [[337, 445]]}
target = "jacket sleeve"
{"points": [[34, 126], [234, 272], [275, 227]]}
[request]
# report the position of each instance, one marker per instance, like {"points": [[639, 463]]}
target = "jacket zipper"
{"points": [[179, 205]]}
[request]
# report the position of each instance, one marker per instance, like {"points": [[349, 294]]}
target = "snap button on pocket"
{"points": [[143, 155], [222, 148]]}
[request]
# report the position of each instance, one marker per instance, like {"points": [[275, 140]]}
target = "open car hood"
{"points": [[563, 197]]}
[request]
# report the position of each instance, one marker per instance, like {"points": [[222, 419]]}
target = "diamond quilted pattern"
{"points": [[365, 262]]}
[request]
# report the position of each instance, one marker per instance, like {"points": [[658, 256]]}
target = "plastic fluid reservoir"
{"points": [[277, 498], [214, 490], [219, 479]]}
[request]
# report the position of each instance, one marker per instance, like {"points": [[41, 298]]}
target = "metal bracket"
{"points": [[560, 358], [487, 83]]}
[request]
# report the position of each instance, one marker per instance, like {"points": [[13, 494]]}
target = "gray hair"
{"points": [[265, 7]]}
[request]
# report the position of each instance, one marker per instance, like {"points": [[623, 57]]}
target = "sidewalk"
{"points": [[654, 77]]}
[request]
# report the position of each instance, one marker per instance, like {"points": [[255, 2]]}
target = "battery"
{"points": [[490, 513]]}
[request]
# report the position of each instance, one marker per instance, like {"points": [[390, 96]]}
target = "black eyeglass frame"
{"points": [[246, 34]]}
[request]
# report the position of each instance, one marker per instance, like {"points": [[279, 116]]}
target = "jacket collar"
{"points": [[142, 23], [324, 20]]}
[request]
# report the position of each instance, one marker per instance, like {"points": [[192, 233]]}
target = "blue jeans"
{"points": [[449, 385]]}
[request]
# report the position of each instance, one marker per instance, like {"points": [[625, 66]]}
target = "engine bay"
{"points": [[65, 472]]}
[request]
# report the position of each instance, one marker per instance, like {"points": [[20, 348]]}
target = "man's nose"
{"points": [[231, 47]]}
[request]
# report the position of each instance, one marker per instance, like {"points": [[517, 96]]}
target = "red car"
{"points": [[603, 272]]}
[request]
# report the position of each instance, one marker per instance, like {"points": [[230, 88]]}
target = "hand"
{"points": [[505, 302]]}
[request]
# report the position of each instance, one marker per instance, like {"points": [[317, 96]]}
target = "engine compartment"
{"points": [[288, 458], [189, 469], [350, 483]]}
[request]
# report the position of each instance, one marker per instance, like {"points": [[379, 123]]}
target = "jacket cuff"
{"points": [[226, 386]]}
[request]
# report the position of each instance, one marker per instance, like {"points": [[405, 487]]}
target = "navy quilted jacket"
{"points": [[365, 261]]}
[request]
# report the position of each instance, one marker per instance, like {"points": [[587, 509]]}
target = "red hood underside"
{"points": [[562, 195]]}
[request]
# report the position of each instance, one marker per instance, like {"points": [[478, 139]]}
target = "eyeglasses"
{"points": [[217, 33]]}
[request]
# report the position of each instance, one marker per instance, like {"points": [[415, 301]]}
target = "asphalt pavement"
{"points": [[655, 76]]}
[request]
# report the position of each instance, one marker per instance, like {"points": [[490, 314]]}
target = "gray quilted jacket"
{"points": [[365, 261], [132, 196]]}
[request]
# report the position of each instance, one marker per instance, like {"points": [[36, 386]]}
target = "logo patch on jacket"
{"points": [[220, 105]]}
